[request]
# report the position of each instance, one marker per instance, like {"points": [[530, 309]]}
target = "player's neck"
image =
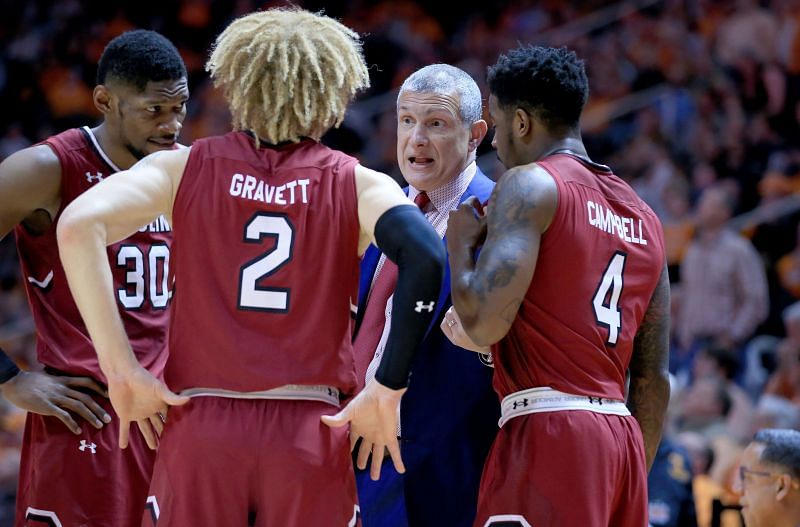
{"points": [[115, 151], [569, 144]]}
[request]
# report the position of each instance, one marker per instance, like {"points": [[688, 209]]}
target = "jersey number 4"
{"points": [[251, 295], [606, 299]]}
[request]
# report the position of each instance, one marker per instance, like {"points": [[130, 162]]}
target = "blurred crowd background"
{"points": [[694, 102]]}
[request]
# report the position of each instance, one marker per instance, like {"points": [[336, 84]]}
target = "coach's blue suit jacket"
{"points": [[449, 419]]}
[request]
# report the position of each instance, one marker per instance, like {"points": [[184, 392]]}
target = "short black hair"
{"points": [[551, 83], [781, 447], [138, 57]]}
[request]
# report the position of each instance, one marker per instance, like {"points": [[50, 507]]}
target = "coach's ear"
{"points": [[477, 132]]}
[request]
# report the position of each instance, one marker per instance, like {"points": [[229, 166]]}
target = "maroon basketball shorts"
{"points": [[565, 468], [237, 462], [81, 480]]}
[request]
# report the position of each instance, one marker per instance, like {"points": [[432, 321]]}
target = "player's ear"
{"points": [[522, 122], [103, 99]]}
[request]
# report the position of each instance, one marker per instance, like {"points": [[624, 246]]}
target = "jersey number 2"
{"points": [[606, 299], [251, 296]]}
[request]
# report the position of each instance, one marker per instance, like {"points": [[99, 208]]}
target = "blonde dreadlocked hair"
{"points": [[287, 73]]}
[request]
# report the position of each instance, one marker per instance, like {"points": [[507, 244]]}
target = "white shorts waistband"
{"points": [[537, 400], [289, 392]]}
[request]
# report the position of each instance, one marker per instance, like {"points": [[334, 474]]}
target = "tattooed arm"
{"points": [[487, 293], [648, 395]]}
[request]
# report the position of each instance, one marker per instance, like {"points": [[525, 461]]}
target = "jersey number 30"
{"points": [[251, 296], [144, 267], [606, 299]]}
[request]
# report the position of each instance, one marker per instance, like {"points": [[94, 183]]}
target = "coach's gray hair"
{"points": [[445, 79]]}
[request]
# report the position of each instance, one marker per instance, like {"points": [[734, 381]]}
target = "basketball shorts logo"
{"points": [[84, 446], [421, 305]]}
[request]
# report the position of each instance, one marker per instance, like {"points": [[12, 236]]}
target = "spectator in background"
{"points": [[791, 323], [669, 482], [788, 269], [704, 487], [763, 354], [769, 476], [723, 364], [704, 407], [669, 488], [773, 411], [677, 223], [784, 382], [724, 287]]}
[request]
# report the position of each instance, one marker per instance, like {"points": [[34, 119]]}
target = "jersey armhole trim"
{"points": [[556, 226]]}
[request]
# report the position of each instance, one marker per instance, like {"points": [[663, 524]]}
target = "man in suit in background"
{"points": [[769, 479], [448, 417]]}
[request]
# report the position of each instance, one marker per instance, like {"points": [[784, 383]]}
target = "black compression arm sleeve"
{"points": [[8, 369], [408, 240]]}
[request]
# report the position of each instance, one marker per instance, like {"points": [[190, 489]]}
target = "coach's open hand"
{"points": [[372, 415], [138, 396]]}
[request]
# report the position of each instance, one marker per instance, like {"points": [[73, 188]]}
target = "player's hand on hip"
{"points": [[454, 331], [45, 394], [466, 225], [139, 396], [373, 417]]}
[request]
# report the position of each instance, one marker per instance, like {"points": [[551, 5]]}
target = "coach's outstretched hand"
{"points": [[373, 417], [138, 396], [45, 394]]}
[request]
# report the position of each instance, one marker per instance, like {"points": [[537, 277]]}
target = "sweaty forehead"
{"points": [[160, 90]]}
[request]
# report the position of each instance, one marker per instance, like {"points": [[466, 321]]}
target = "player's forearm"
{"points": [[479, 297], [414, 246], [82, 247], [465, 299], [647, 401], [648, 395]]}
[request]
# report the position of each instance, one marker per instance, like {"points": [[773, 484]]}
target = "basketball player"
{"points": [[269, 225], [570, 290], [71, 473]]}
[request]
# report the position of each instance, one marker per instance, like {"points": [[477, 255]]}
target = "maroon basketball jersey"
{"points": [[139, 264], [599, 263], [266, 261]]}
